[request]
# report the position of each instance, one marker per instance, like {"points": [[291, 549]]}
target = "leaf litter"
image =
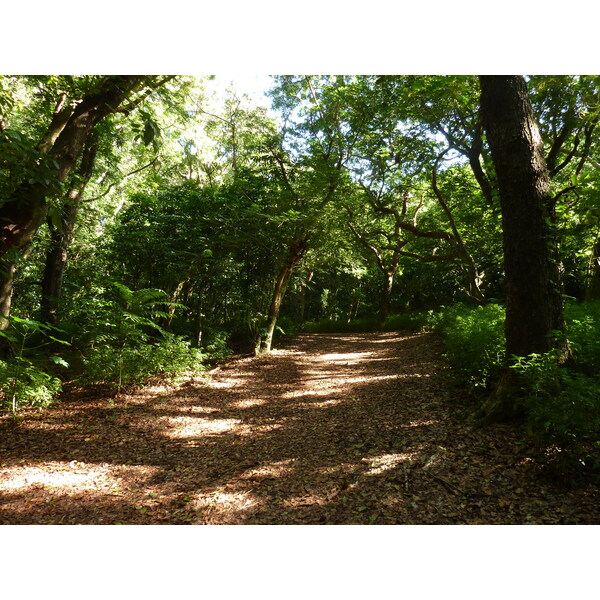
{"points": [[331, 429]]}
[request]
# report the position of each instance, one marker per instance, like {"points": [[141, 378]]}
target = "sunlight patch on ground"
{"points": [[349, 356], [226, 501], [185, 427], [325, 403], [158, 388], [223, 507], [302, 393], [387, 340], [249, 403], [194, 427], [379, 464], [64, 477], [226, 383], [204, 409], [419, 423], [250, 430], [373, 378], [272, 469]]}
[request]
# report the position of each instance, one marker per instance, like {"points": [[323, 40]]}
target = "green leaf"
{"points": [[57, 360]]}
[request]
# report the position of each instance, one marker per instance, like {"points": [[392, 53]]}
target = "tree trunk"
{"points": [[7, 272], [295, 255], [533, 299], [61, 238], [386, 293], [280, 286]]}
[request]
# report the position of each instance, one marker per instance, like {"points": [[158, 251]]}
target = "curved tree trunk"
{"points": [[296, 253], [61, 238]]}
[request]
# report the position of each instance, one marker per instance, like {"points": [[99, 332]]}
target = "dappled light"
{"points": [[313, 434], [182, 427]]}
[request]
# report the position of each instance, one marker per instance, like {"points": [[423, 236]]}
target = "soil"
{"points": [[332, 429]]}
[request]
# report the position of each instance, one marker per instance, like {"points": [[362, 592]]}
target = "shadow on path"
{"points": [[334, 429]]}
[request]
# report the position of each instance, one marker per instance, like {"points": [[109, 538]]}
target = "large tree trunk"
{"points": [[23, 213], [61, 238], [533, 299]]}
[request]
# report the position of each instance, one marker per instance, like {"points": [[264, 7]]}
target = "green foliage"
{"points": [[409, 321], [286, 326], [583, 325], [413, 321], [117, 367], [474, 340], [562, 406], [21, 382], [215, 346], [128, 345]]}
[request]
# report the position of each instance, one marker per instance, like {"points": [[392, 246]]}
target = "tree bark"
{"points": [[7, 273], [386, 293], [533, 298], [61, 238], [295, 255]]}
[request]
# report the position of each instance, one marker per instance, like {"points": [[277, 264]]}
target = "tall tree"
{"points": [[533, 299]]}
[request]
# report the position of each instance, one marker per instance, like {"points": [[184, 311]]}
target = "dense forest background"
{"points": [[150, 227]]}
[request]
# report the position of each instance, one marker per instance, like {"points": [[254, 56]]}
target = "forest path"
{"points": [[359, 428]]}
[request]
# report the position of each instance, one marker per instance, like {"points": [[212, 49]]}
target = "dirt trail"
{"points": [[334, 429]]}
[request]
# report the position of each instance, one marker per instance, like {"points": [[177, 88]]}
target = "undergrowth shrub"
{"points": [[410, 321], [399, 322], [286, 327], [216, 344], [583, 329], [127, 345], [474, 340], [21, 382], [26, 377], [171, 357], [562, 406]]}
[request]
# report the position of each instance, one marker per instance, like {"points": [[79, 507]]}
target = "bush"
{"points": [[215, 346], [399, 322], [133, 364], [286, 327], [583, 329], [562, 406], [21, 382], [412, 321], [474, 340]]}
